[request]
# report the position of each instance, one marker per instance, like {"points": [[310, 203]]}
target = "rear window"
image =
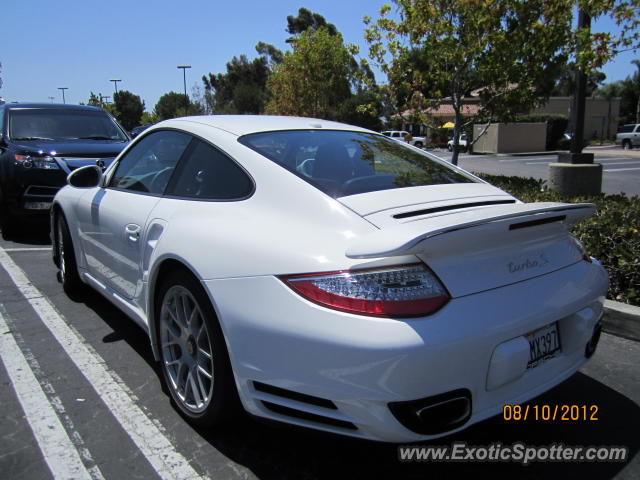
{"points": [[342, 163], [62, 124], [626, 128]]}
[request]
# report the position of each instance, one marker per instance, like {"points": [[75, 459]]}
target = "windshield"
{"points": [[342, 163], [63, 124]]}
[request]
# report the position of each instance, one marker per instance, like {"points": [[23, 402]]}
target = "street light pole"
{"points": [[63, 89], [115, 84], [584, 22], [575, 173], [184, 80]]}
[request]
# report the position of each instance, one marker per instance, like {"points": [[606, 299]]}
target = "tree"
{"points": [[312, 80], [565, 83], [129, 108], [348, 111], [503, 48], [172, 104], [148, 118], [242, 89], [94, 100], [629, 92], [306, 20]]}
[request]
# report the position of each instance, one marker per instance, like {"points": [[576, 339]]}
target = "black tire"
{"points": [[626, 145], [66, 259], [181, 359], [418, 144], [8, 223]]}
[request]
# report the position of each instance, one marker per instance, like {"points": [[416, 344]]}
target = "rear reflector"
{"points": [[402, 291]]}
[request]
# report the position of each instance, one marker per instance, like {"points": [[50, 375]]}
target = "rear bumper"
{"points": [[363, 364]]}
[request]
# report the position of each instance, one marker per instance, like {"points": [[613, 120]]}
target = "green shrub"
{"points": [[556, 126], [612, 235]]}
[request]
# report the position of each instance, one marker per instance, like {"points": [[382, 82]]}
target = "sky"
{"points": [[82, 44]]}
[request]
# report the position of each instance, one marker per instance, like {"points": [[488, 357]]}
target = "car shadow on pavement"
{"points": [[33, 232]]}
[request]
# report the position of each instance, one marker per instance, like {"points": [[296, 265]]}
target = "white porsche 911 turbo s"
{"points": [[324, 275]]}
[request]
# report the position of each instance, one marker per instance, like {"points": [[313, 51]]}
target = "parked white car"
{"points": [[324, 275], [406, 137], [628, 136], [462, 143]]}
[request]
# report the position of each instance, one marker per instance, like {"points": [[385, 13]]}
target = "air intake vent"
{"points": [[298, 397], [459, 206], [312, 417]]}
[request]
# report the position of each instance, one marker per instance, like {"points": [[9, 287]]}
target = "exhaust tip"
{"points": [[433, 415]]}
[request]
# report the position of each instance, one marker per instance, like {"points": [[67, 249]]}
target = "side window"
{"points": [[207, 173], [148, 166]]}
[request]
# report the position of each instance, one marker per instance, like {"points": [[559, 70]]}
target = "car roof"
{"points": [[245, 124], [54, 106]]}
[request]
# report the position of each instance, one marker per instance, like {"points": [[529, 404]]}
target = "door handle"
{"points": [[132, 232]]}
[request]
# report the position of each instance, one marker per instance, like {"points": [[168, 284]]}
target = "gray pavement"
{"points": [[108, 448], [621, 168]]}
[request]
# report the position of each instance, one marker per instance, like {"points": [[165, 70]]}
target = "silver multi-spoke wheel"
{"points": [[60, 243], [66, 260], [187, 355]]}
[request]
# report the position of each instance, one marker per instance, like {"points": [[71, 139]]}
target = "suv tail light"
{"points": [[401, 291]]}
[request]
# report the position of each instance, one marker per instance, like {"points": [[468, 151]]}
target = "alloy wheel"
{"points": [[187, 355]]}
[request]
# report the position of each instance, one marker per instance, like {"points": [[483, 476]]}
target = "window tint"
{"points": [[63, 124], [207, 173], [148, 166], [626, 129], [344, 163]]}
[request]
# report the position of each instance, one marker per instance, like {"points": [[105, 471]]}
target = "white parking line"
{"points": [[623, 163], [522, 159], [620, 169], [610, 159], [58, 450], [538, 163], [27, 249], [148, 437]]}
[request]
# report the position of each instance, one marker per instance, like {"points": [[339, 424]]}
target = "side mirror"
{"points": [[85, 177]]}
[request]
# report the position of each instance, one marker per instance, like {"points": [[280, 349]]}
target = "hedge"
{"points": [[612, 235]]}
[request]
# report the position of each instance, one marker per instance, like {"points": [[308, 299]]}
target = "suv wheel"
{"points": [[626, 144]]}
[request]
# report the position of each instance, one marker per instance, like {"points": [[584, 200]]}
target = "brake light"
{"points": [[401, 291]]}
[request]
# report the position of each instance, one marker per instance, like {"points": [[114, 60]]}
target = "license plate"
{"points": [[37, 205], [544, 343]]}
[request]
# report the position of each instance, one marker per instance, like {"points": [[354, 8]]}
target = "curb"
{"points": [[622, 320]]}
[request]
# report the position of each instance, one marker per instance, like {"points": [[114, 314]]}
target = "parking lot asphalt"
{"points": [[82, 397], [621, 168]]}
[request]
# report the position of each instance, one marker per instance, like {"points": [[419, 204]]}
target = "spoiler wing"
{"points": [[404, 239]]}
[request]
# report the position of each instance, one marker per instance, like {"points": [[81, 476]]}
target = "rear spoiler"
{"points": [[403, 239]]}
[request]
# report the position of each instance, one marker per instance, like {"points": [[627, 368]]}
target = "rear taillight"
{"points": [[402, 291]]}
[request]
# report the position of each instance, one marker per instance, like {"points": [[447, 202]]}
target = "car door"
{"points": [[636, 136], [113, 222]]}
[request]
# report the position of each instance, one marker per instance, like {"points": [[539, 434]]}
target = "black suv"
{"points": [[40, 144]]}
